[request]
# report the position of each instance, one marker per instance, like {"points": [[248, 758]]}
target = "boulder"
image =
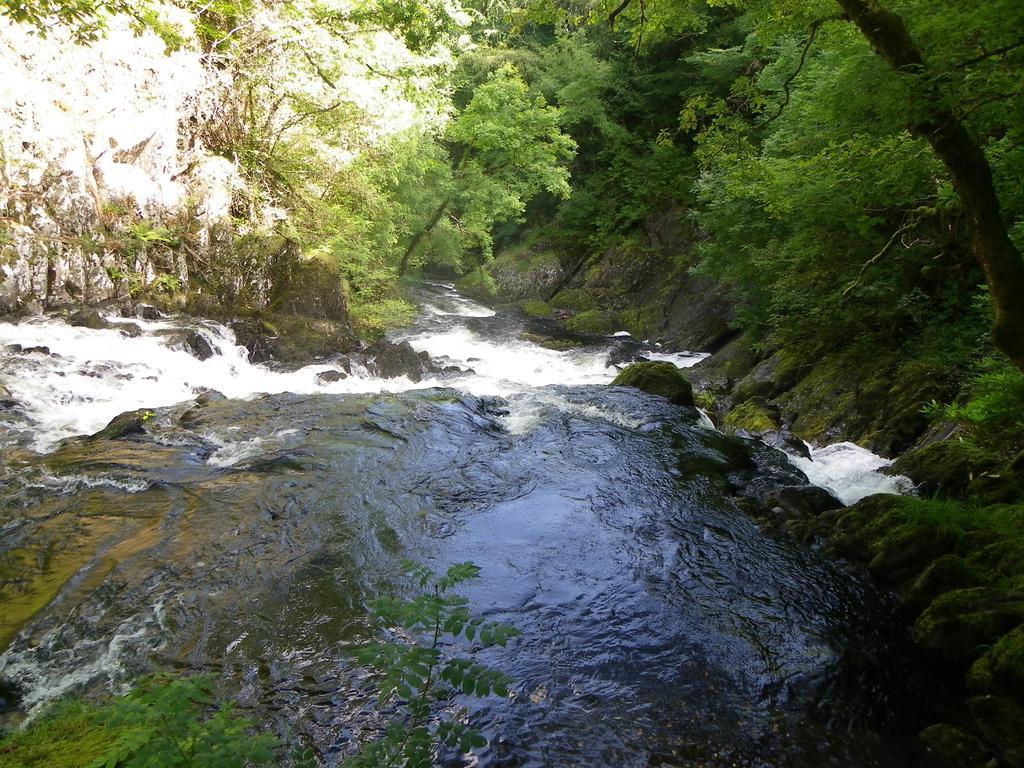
{"points": [[908, 549], [950, 747], [1001, 722], [191, 341], [753, 417], [657, 378], [1001, 669], [7, 400], [945, 574], [390, 360], [960, 625], [125, 424], [293, 341], [89, 318], [801, 501], [329, 377], [946, 467]]}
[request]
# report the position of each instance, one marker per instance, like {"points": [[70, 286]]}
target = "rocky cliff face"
{"points": [[98, 164]]}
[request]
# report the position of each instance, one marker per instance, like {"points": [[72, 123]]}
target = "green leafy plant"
{"points": [[165, 721], [165, 283], [417, 668]]}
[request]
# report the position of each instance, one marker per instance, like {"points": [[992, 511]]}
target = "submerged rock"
{"points": [[657, 378]]}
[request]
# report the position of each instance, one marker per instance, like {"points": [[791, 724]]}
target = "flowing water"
{"points": [[245, 536]]}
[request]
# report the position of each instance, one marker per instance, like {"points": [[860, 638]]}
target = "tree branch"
{"points": [[811, 32], [990, 54], [614, 14]]}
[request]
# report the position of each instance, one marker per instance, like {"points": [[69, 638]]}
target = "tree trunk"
{"points": [[418, 237], [935, 121]]}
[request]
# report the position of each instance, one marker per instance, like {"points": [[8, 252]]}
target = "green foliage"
{"points": [[163, 722], [85, 20], [415, 669], [991, 407]]}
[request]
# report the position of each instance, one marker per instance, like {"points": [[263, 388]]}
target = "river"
{"points": [[662, 625]]}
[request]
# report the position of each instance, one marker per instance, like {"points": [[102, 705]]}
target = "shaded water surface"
{"points": [[661, 625]]}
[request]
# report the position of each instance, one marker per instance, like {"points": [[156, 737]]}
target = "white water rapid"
{"points": [[78, 379]]}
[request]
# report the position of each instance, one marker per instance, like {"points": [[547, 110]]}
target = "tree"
{"points": [[931, 109], [944, 130], [506, 147]]}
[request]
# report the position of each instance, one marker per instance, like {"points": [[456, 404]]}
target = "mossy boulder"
{"points": [[1001, 722], [960, 625], [946, 467], [573, 298], [124, 425], [753, 416], [293, 341], [907, 548], [536, 309], [945, 574], [950, 747], [311, 288], [1001, 669], [657, 378], [595, 322]]}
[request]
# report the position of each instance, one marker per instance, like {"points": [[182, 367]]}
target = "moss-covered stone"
{"points": [[657, 378], [573, 298], [595, 322], [950, 747], [478, 284], [125, 424], [1001, 669], [1001, 722], [958, 626], [552, 342], [536, 309], [945, 467], [752, 416], [905, 550], [945, 574]]}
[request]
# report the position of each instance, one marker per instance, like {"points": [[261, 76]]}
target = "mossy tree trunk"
{"points": [[422, 233], [938, 124]]}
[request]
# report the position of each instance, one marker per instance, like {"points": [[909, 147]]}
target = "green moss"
{"points": [[1001, 669], [478, 284], [645, 320], [536, 309], [573, 298], [595, 322], [550, 342], [946, 467], [959, 625], [751, 416], [657, 378]]}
